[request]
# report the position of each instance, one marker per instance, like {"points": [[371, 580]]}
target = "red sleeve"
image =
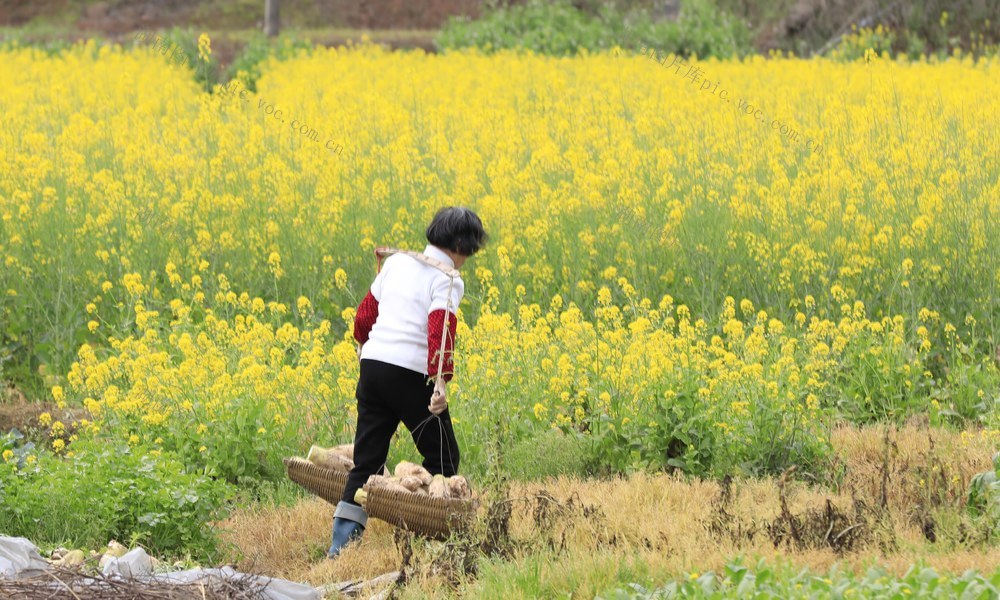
{"points": [[364, 319], [435, 323]]}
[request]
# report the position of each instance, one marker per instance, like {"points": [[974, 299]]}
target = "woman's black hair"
{"points": [[458, 229]]}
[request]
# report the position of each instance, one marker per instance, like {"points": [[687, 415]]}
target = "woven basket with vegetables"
{"points": [[410, 499]]}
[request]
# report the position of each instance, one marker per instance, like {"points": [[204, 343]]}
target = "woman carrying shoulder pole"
{"points": [[398, 327]]}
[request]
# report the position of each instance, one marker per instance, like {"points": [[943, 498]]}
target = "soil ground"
{"points": [[396, 23], [16, 412], [122, 16]]}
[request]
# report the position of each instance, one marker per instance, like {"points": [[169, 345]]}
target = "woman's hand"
{"points": [[439, 399]]}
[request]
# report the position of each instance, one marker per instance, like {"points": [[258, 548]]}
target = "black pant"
{"points": [[388, 394]]}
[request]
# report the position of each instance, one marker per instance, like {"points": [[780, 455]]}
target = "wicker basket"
{"points": [[434, 517], [325, 483]]}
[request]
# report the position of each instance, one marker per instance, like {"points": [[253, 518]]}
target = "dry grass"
{"points": [[667, 525], [951, 457]]}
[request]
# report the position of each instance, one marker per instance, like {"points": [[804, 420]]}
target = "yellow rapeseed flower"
{"points": [[204, 47]]}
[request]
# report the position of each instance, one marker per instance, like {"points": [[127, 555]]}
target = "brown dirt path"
{"points": [[116, 17]]}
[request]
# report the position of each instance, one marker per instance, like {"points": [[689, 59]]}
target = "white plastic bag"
{"points": [[19, 558], [134, 564], [277, 589]]}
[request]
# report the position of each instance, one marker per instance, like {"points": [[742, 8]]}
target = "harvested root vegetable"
{"points": [[72, 558], [458, 487], [385, 483], [115, 549], [438, 487], [410, 482], [58, 553], [330, 459], [345, 450], [404, 469]]}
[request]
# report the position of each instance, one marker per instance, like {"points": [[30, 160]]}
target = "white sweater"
{"points": [[407, 291]]}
